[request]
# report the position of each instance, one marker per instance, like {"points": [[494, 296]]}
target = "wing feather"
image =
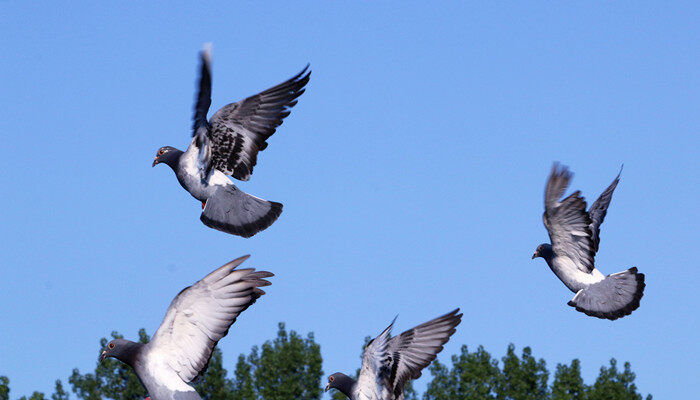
{"points": [[599, 209], [416, 348], [202, 314], [567, 221], [203, 102], [238, 131]]}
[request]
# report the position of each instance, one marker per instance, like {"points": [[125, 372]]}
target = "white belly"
{"points": [[575, 279]]}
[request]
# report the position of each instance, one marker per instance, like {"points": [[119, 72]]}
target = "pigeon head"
{"points": [[544, 250], [341, 382], [121, 349], [168, 155]]}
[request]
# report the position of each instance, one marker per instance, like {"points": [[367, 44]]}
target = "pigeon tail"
{"points": [[614, 297], [233, 211]]}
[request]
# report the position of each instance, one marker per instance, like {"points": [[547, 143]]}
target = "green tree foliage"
{"points": [[523, 378], [614, 385], [473, 376], [244, 386], [568, 384], [286, 368], [214, 385], [59, 393], [477, 376], [289, 368], [34, 396], [4, 388]]}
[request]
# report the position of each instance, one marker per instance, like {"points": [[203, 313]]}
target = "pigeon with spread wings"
{"points": [[198, 317], [228, 145], [574, 233], [389, 363]]}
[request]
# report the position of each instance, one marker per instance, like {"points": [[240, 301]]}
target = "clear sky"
{"points": [[412, 172]]}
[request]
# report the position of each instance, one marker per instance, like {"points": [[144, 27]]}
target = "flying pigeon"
{"points": [[389, 363], [574, 233], [198, 317], [228, 144]]}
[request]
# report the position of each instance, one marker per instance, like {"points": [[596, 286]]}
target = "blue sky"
{"points": [[412, 174]]}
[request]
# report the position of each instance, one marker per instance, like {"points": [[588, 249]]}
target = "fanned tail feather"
{"points": [[614, 297]]}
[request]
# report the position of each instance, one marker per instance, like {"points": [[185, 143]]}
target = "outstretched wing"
{"points": [[238, 131], [202, 314], [416, 348], [599, 209], [567, 221]]}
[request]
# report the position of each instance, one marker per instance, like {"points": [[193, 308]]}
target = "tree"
{"points": [[523, 379], [4, 388], [34, 396], [614, 385], [473, 376], [568, 384], [286, 368], [59, 393], [244, 387], [214, 385]]}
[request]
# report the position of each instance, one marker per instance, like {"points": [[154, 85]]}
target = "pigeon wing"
{"points": [[599, 209], [200, 315], [376, 363], [567, 221], [238, 131], [203, 103], [416, 348], [557, 183]]}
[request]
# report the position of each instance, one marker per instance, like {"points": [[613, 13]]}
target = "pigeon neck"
{"points": [[128, 353], [345, 384]]}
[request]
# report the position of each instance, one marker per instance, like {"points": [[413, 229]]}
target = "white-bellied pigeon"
{"points": [[198, 317], [228, 145], [574, 233]]}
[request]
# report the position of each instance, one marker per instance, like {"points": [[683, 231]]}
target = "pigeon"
{"points": [[389, 363], [575, 236], [198, 317], [228, 145]]}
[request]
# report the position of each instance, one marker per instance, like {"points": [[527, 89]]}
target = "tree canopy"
{"points": [[289, 367]]}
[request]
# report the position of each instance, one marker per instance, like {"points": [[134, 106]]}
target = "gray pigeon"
{"points": [[228, 144], [198, 317], [575, 237], [389, 363]]}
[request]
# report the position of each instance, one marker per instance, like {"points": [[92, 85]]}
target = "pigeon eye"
{"points": [[330, 378], [111, 345], [160, 152]]}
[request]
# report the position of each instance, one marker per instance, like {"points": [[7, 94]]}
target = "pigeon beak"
{"points": [[155, 161], [535, 255], [328, 387], [103, 355]]}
